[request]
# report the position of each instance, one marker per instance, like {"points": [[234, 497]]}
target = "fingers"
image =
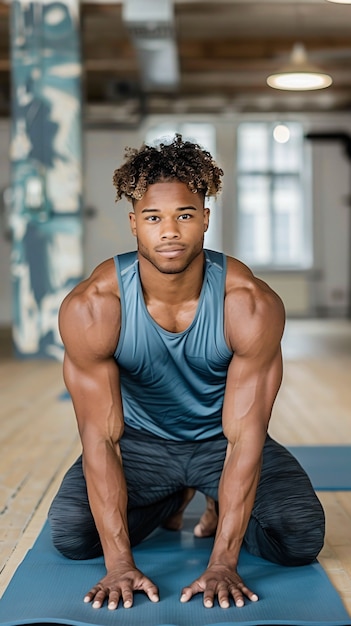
{"points": [[216, 589], [209, 592], [249, 594], [144, 584], [224, 590], [188, 592], [151, 591], [114, 599], [223, 598], [238, 591], [123, 590], [96, 595], [127, 596], [237, 597], [209, 595]]}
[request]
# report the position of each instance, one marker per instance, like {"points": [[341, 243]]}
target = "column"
{"points": [[46, 165]]}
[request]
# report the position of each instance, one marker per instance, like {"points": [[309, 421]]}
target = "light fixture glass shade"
{"points": [[299, 74], [340, 1]]}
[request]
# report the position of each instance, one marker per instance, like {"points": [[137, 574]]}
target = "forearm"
{"points": [[236, 496], [107, 493]]}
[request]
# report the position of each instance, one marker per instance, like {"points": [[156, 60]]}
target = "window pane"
{"points": [[254, 224], [286, 157], [287, 205], [253, 147]]}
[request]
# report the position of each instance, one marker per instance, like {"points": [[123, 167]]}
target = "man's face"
{"points": [[169, 223]]}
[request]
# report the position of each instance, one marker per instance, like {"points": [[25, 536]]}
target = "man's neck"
{"points": [[171, 289]]}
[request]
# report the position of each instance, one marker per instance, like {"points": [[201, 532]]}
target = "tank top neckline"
{"points": [[159, 328]]}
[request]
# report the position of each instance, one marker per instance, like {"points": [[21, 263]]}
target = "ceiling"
{"points": [[225, 51]]}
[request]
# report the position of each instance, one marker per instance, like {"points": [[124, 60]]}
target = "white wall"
{"points": [[330, 287], [106, 233], [322, 290]]}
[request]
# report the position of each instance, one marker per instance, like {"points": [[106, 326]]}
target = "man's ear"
{"points": [[206, 218], [132, 222]]}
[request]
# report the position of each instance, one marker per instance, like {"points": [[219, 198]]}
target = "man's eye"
{"points": [[185, 216], [152, 218]]}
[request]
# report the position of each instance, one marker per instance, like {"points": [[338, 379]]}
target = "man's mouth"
{"points": [[170, 252]]}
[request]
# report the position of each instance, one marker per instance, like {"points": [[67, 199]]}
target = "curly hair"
{"points": [[179, 160]]}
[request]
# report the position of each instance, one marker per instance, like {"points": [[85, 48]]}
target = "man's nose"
{"points": [[170, 229]]}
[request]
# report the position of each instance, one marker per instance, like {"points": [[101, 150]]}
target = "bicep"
{"points": [[90, 371], [255, 322], [96, 397]]}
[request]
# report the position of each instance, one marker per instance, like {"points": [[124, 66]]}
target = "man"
{"points": [[173, 362]]}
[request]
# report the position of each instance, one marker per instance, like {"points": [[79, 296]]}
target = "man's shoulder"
{"points": [[100, 285], [250, 299], [254, 313], [92, 308], [241, 280]]}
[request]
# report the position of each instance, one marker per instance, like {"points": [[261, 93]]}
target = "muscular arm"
{"points": [[254, 377], [254, 322], [89, 325]]}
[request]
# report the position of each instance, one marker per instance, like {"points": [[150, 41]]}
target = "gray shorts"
{"points": [[286, 524], [155, 468]]}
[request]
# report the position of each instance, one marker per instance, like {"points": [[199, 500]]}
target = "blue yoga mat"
{"points": [[329, 467], [47, 588]]}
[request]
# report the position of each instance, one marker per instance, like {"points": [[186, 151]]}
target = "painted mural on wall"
{"points": [[46, 159]]}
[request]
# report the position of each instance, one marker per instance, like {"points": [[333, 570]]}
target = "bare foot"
{"points": [[208, 522], [175, 522]]}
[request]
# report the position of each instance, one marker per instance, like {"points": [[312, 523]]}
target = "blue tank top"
{"points": [[173, 384]]}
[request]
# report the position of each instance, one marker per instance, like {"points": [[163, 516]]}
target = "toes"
{"points": [[201, 531]]}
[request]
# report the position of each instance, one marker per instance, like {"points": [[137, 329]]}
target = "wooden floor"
{"points": [[38, 439]]}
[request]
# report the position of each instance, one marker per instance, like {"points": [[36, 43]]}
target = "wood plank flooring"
{"points": [[38, 438]]}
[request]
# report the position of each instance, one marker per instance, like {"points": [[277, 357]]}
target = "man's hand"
{"points": [[221, 581], [120, 583]]}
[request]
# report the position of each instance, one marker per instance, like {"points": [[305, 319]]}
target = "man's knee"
{"points": [[303, 548], [289, 537], [73, 534], [302, 538]]}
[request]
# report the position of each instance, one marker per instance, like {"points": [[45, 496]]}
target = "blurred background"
{"points": [[80, 81]]}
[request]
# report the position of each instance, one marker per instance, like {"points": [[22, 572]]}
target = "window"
{"points": [[204, 134], [273, 227]]}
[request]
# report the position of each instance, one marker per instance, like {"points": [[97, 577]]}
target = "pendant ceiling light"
{"points": [[299, 74], [340, 1]]}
